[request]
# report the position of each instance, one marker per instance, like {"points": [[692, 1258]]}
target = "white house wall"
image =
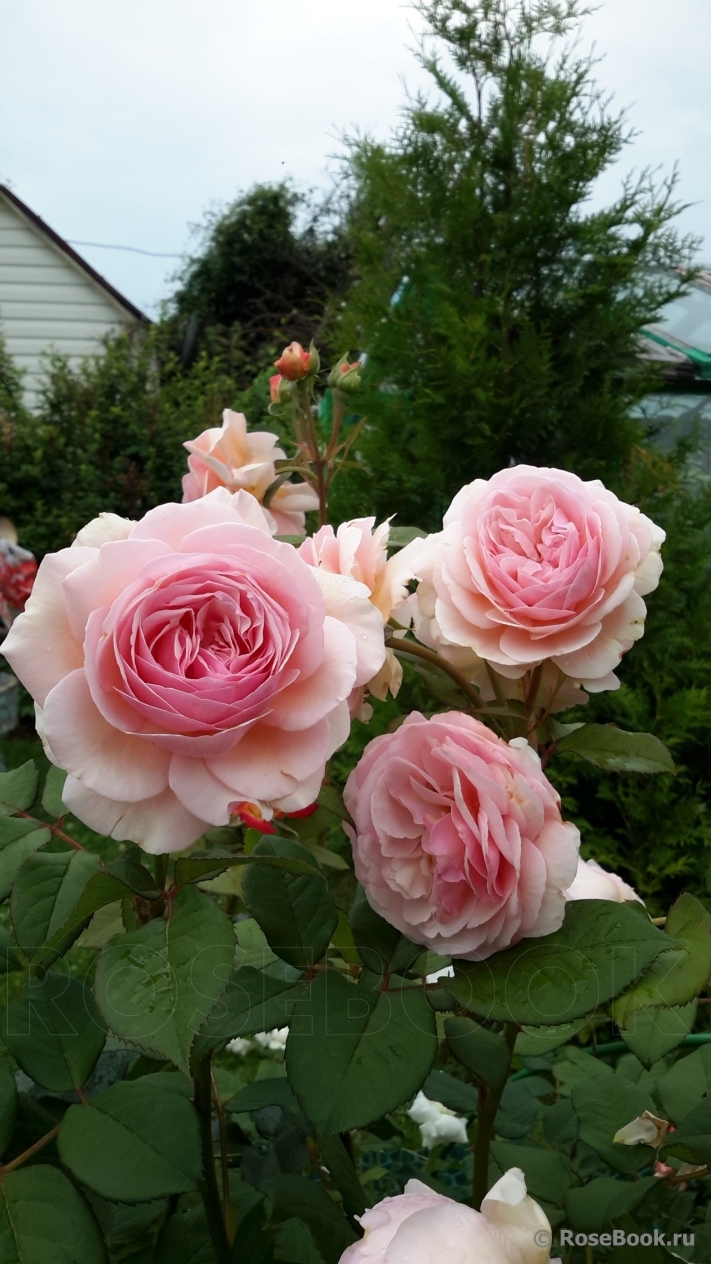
{"points": [[47, 303]]}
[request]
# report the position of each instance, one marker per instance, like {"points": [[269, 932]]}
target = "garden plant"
{"points": [[276, 994]]}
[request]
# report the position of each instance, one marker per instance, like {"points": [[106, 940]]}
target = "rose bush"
{"points": [[231, 457], [457, 836], [193, 676], [187, 663], [537, 565]]}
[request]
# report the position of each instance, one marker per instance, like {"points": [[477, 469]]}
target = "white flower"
{"points": [[438, 1124], [239, 1046], [274, 1039]]}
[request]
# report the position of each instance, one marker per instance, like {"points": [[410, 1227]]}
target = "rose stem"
{"points": [[210, 1193], [429, 656], [489, 1101], [160, 869], [29, 1154], [226, 1203]]}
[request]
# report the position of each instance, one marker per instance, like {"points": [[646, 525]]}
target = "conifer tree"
{"points": [[498, 307]]}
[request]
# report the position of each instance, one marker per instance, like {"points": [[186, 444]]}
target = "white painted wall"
{"points": [[47, 302]]}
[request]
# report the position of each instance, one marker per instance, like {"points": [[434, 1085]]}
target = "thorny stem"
{"points": [[489, 1101], [28, 1154], [226, 1201], [210, 1192]]}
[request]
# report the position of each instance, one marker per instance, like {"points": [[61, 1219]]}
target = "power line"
{"points": [[103, 245]]}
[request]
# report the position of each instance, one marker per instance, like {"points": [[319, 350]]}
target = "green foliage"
{"points": [[498, 311], [155, 986], [44, 1217], [656, 831], [566, 975], [365, 1034], [261, 275], [107, 436], [134, 1142]]}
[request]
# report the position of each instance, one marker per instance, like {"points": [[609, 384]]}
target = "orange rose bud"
{"points": [[294, 363], [274, 383]]}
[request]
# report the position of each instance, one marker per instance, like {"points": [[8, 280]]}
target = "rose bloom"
{"points": [[294, 363], [536, 564], [238, 459], [458, 839], [187, 663], [359, 549], [592, 882], [423, 1227]]}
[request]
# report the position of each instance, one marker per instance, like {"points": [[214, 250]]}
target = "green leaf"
{"points": [[9, 960], [482, 1052], [352, 1054], [654, 1031], [294, 1244], [297, 1197], [18, 839], [678, 976], [604, 1104], [46, 890], [274, 1091], [8, 1105], [382, 949], [547, 1173], [604, 1199], [156, 986], [332, 799], [343, 1173], [617, 751], [692, 1139], [52, 800], [185, 1239], [44, 1220], [600, 949], [202, 865], [253, 1002], [114, 881], [400, 536], [451, 1092], [18, 788], [296, 912], [342, 939], [54, 1031], [534, 1042], [683, 1087], [133, 1143]]}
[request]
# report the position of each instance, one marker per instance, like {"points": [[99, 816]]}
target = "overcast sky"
{"points": [[122, 123]]}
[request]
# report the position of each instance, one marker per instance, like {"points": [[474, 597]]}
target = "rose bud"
{"points": [[294, 363], [345, 376]]}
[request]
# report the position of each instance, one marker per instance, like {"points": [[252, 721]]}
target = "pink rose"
{"points": [[189, 664], [294, 363], [458, 838], [238, 459], [535, 564], [592, 882], [360, 549], [423, 1227]]}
